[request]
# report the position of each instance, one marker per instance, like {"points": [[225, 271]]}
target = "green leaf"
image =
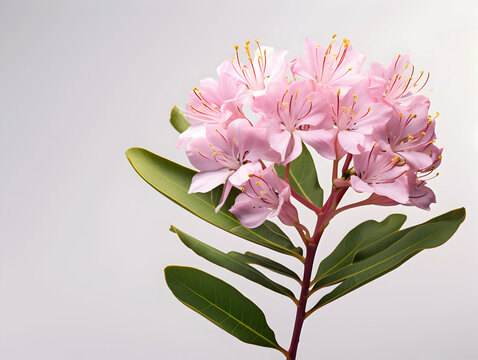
{"points": [[407, 243], [178, 120], [230, 262], [303, 177], [251, 258], [377, 246], [360, 237], [173, 180], [222, 304]]}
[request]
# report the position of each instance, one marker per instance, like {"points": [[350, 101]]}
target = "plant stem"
{"points": [[300, 314], [335, 170], [287, 173], [346, 163], [324, 215], [303, 200], [354, 205], [296, 195]]}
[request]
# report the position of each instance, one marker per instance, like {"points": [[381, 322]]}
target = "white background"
{"points": [[83, 240]]}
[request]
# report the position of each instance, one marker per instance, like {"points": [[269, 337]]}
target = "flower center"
{"points": [[402, 82], [331, 61], [291, 110], [206, 112], [252, 73]]}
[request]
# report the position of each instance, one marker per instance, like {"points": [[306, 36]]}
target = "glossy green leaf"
{"points": [[222, 304], [407, 243], [360, 237], [303, 177], [178, 120], [377, 246], [251, 258], [230, 262], [173, 180]]}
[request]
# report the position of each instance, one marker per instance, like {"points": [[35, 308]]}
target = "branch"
{"points": [[304, 201]]}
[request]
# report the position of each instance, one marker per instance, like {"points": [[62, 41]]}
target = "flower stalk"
{"points": [[324, 215]]}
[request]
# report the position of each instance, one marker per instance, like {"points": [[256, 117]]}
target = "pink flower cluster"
{"points": [[377, 120]]}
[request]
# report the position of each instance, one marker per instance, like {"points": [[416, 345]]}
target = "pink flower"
{"points": [[217, 104], [226, 156], [409, 135], [397, 83], [291, 113], [263, 66], [382, 173], [421, 196], [335, 66], [352, 118], [263, 196]]}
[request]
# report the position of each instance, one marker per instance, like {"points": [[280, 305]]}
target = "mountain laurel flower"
{"points": [[351, 121], [421, 196], [256, 115], [218, 103], [226, 156], [291, 113], [265, 195], [263, 66], [382, 173], [398, 83], [409, 135], [335, 66]]}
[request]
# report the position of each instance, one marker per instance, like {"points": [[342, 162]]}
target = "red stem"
{"points": [[300, 314], [296, 195], [287, 172], [335, 167], [346, 163], [324, 215], [304, 201], [351, 206]]}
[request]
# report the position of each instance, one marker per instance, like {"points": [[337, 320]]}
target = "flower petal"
{"points": [[249, 215], [205, 181]]}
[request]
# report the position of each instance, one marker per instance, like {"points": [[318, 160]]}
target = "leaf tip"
{"points": [[131, 152]]}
